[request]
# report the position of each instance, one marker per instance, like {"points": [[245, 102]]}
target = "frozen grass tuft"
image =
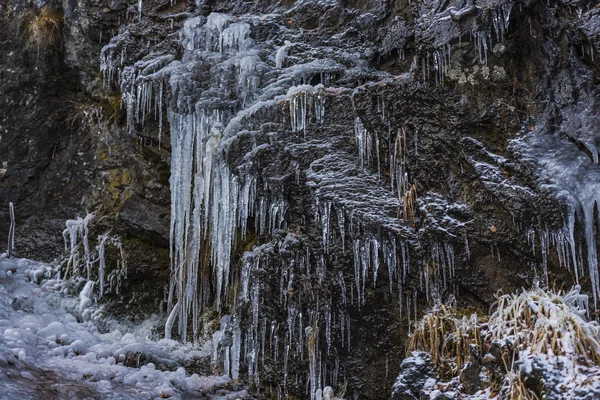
{"points": [[547, 322], [447, 337], [44, 30], [539, 330]]}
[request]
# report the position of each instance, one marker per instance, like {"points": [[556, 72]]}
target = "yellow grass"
{"points": [[44, 30]]}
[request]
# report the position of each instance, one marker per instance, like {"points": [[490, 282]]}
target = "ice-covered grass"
{"points": [[52, 330], [539, 340], [447, 338], [546, 322]]}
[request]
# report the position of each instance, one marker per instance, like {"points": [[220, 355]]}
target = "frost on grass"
{"points": [[536, 344]]}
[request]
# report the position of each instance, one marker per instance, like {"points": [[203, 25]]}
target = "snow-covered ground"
{"points": [[51, 345]]}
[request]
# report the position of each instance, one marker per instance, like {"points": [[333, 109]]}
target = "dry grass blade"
{"points": [[447, 338], [409, 203], [44, 30]]}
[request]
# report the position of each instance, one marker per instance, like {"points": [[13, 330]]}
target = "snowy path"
{"points": [[51, 349]]}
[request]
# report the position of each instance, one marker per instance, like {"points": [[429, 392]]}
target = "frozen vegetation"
{"points": [[535, 344]]}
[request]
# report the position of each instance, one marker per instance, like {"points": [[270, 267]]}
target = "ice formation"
{"points": [[305, 101], [11, 232], [213, 198], [282, 54], [49, 333], [78, 229], [575, 179], [442, 25], [220, 201]]}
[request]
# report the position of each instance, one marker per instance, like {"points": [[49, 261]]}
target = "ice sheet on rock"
{"points": [[299, 75], [570, 175], [440, 215], [337, 179]]}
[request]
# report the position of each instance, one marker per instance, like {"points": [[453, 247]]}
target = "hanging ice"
{"points": [[76, 229], [304, 101], [282, 54], [575, 178], [100, 248]]}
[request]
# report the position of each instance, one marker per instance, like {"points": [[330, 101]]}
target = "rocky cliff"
{"points": [[321, 171]]}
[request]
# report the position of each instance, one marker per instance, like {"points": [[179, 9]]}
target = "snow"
{"points": [[49, 333], [282, 54]]}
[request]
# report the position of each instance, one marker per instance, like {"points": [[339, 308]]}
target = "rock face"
{"points": [[320, 170], [414, 373]]}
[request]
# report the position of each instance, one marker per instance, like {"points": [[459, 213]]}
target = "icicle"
{"points": [[302, 99], [506, 9], [11, 232], [375, 257], [357, 266], [341, 225], [311, 334], [101, 261], [325, 223]]}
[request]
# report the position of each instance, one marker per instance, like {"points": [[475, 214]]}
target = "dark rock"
{"points": [[146, 220], [414, 372]]}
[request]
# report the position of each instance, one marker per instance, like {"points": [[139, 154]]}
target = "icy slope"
{"points": [[54, 343]]}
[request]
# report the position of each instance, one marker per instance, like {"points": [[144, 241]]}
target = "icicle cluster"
{"points": [[368, 146], [305, 101], [119, 273], [301, 333], [575, 179], [213, 201], [76, 230], [482, 37]]}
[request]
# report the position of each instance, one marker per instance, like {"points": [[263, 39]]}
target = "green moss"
{"points": [[118, 179], [102, 155]]}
